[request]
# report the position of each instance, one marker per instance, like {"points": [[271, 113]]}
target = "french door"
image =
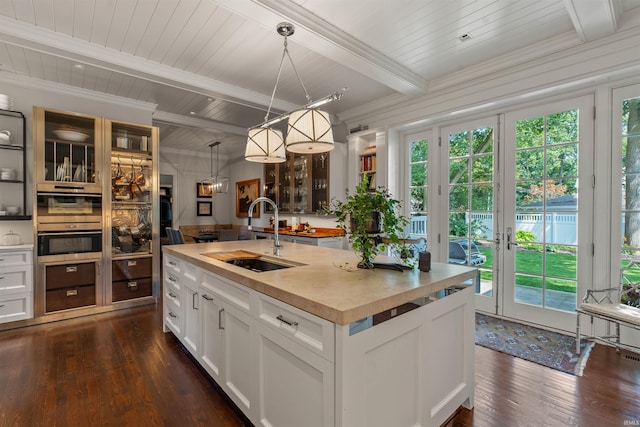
{"points": [[548, 211], [516, 202], [470, 197]]}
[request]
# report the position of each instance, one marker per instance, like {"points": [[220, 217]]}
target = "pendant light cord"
{"points": [[295, 70]]}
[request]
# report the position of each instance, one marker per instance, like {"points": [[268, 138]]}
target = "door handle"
{"points": [[509, 241], [220, 326]]}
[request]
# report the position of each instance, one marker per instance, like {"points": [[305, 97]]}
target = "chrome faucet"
{"points": [[276, 242]]}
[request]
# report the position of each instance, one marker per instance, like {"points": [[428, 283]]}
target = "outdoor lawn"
{"points": [[560, 269]]}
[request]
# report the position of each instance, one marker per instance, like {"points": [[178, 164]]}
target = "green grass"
{"points": [[560, 270]]}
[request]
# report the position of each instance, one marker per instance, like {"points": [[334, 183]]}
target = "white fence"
{"points": [[556, 228]]}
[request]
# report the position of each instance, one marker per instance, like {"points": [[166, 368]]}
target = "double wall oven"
{"points": [[69, 248]]}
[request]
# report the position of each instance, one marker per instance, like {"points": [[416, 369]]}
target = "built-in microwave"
{"points": [[80, 211], [69, 245]]}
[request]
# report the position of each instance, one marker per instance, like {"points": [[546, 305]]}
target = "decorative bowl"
{"points": [[70, 135]]}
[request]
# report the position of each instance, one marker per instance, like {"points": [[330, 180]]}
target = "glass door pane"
{"points": [[548, 153], [471, 207]]}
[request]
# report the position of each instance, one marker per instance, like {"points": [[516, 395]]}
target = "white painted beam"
{"points": [[62, 46], [330, 41], [594, 18]]}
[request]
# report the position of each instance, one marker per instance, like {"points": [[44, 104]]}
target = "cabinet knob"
{"points": [[132, 285]]}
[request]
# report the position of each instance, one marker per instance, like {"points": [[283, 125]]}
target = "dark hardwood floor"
{"points": [[120, 369]]}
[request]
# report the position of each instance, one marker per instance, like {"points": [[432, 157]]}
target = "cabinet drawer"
{"points": [[70, 297], [237, 295], [173, 319], [15, 258], [171, 281], [311, 331], [127, 269], [15, 279], [172, 264], [172, 296], [129, 289], [64, 276], [16, 307]]}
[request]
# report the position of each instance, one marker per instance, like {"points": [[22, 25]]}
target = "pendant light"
{"points": [[308, 130], [219, 184]]}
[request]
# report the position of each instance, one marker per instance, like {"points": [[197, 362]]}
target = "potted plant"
{"points": [[366, 217]]}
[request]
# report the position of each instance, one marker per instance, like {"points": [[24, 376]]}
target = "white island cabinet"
{"points": [[316, 345]]}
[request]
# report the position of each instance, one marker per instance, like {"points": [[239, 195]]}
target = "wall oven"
{"points": [[64, 212]]}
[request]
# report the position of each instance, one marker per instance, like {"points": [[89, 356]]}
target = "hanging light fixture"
{"points": [[218, 184], [308, 130]]}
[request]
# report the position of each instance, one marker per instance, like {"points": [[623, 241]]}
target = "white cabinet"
{"points": [[172, 293], [295, 366], [228, 339], [181, 301], [16, 283]]}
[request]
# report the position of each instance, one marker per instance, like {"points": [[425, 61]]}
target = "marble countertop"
{"points": [[329, 285]]}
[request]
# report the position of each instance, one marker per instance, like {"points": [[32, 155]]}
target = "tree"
{"points": [[632, 174]]}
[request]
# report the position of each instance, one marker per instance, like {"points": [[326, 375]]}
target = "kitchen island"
{"points": [[322, 342]]}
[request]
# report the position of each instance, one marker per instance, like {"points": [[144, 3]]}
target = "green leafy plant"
{"points": [[358, 215]]}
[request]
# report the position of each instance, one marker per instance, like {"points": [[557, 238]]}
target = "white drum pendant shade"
{"points": [[309, 131], [265, 145]]}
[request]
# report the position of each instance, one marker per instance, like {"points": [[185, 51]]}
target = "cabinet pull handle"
{"points": [[132, 285], [1, 259], [1, 305], [172, 315], [288, 322], [132, 263], [73, 269], [220, 326], [207, 297], [171, 279], [1, 277], [172, 263], [194, 298], [72, 293], [172, 295]]}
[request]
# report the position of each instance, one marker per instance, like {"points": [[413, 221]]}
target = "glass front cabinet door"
{"points": [[133, 223], [299, 185], [68, 151]]}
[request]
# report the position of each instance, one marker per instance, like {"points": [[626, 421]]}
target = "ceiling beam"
{"points": [[594, 18], [56, 44], [196, 122], [330, 41]]}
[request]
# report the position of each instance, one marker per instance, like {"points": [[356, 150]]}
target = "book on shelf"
{"points": [[371, 149]]}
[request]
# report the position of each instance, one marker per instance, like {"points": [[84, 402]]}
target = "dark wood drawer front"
{"points": [[73, 297], [127, 269], [129, 289], [64, 276]]}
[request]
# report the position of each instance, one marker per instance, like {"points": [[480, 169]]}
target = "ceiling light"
{"points": [[308, 130], [218, 184]]}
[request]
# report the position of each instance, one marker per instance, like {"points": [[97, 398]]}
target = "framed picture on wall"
{"points": [[204, 208], [247, 192], [204, 189]]}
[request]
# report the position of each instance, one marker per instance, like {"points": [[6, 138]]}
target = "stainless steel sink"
{"points": [[252, 261], [257, 264]]}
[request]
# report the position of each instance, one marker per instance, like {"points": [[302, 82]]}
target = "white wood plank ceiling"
{"points": [[210, 65]]}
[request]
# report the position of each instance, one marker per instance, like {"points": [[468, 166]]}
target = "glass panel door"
{"points": [[547, 211], [471, 208]]}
